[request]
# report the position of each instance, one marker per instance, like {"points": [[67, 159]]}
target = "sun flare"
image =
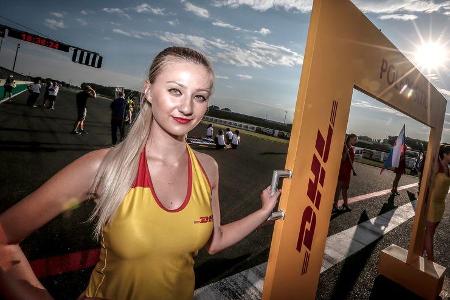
{"points": [[432, 56]]}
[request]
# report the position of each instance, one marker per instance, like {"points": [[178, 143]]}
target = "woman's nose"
{"points": [[186, 106]]}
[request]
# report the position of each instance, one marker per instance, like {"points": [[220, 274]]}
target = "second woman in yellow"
{"points": [[436, 200]]}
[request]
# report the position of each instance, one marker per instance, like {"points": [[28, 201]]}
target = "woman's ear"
{"points": [[148, 91]]}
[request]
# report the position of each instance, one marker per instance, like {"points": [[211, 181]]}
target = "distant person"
{"points": [[35, 91], [345, 171], [81, 100], [210, 131], [220, 140], [436, 201], [8, 87], [48, 87], [399, 171], [228, 136], [235, 140], [420, 168], [119, 113], [130, 114], [52, 93]]}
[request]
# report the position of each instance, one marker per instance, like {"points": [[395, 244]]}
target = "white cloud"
{"points": [[264, 31], [54, 24], [57, 14], [137, 35], [222, 77], [199, 11], [86, 12], [219, 23], [367, 105], [369, 6], [81, 21], [244, 76], [263, 5], [447, 13], [444, 92], [398, 17], [173, 22], [146, 8], [117, 11], [392, 6], [257, 54]]}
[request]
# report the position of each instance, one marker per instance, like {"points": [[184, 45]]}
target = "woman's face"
{"points": [[179, 96], [446, 158], [353, 141]]}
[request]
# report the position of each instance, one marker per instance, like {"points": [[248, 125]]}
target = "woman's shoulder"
{"points": [[92, 160], [209, 164]]}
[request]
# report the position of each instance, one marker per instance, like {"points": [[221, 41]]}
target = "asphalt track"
{"points": [[36, 143]]}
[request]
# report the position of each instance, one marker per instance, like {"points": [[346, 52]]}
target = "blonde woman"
{"points": [[438, 194], [156, 199]]}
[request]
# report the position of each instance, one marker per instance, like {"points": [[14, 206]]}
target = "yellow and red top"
{"points": [[147, 250]]}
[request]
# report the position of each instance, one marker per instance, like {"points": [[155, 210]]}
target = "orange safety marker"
{"points": [[345, 50]]}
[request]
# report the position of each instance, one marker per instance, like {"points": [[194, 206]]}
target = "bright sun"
{"points": [[431, 56]]}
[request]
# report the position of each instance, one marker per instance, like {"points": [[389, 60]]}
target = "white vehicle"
{"points": [[359, 152]]}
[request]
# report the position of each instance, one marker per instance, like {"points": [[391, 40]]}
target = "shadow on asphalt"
{"points": [[352, 267], [273, 153], [45, 147], [384, 288], [390, 205], [216, 269]]}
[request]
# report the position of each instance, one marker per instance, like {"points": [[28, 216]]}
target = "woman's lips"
{"points": [[182, 120]]}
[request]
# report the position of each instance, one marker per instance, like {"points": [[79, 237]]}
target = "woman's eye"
{"points": [[175, 91], [201, 98]]}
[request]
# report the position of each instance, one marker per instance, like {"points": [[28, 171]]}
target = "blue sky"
{"points": [[256, 46]]}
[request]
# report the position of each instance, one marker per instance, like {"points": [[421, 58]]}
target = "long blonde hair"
{"points": [[118, 169]]}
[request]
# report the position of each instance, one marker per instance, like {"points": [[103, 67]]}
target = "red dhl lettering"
{"points": [[205, 219], [319, 160]]}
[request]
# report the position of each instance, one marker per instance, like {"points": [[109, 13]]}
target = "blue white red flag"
{"points": [[393, 160]]}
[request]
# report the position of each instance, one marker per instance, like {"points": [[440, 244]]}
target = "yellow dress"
{"points": [[147, 251], [439, 191]]}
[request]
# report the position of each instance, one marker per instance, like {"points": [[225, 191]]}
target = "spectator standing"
{"points": [[8, 87], [348, 156], [81, 100], [35, 91], [399, 171], [235, 141], [52, 93], [210, 131], [48, 87], [119, 113]]}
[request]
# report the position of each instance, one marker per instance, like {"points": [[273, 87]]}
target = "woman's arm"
{"points": [[227, 235], [63, 191]]}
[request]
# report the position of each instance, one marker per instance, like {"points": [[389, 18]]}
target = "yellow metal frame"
{"points": [[344, 50]]}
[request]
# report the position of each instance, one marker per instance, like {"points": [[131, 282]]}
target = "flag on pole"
{"points": [[393, 159]]}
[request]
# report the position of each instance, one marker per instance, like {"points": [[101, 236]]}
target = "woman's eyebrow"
{"points": [[183, 86]]}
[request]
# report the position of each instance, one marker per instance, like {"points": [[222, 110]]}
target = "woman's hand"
{"points": [[269, 200], [7, 257]]}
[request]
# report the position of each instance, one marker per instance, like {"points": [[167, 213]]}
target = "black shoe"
{"points": [[82, 131], [335, 210], [75, 132]]}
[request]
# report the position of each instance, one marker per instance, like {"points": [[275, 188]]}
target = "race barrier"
{"points": [[345, 51]]}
